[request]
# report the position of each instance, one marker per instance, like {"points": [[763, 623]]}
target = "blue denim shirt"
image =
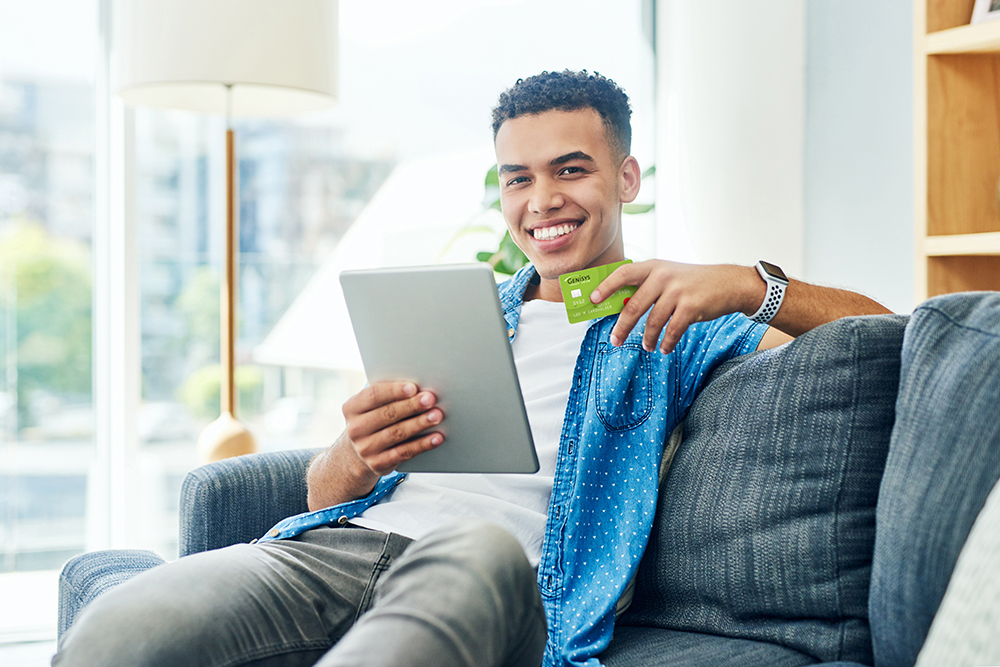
{"points": [[623, 404]]}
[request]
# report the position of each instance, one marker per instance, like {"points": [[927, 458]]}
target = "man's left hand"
{"points": [[679, 295]]}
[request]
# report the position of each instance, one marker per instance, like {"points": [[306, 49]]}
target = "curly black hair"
{"points": [[569, 91]]}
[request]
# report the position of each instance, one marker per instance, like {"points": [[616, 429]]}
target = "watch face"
{"points": [[773, 271]]}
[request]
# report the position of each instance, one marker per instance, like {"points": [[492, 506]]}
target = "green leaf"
{"points": [[507, 259], [492, 178], [635, 209], [649, 172], [513, 257]]}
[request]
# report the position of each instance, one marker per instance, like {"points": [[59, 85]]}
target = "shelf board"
{"points": [[985, 243], [978, 38]]}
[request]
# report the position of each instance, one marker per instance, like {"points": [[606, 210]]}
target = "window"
{"points": [[46, 227], [299, 191], [407, 151]]}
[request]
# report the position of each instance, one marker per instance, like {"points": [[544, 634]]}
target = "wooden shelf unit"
{"points": [[957, 149]]}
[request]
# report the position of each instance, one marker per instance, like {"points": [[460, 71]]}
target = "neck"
{"points": [[546, 290]]}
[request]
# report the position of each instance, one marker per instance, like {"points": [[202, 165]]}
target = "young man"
{"points": [[393, 570]]}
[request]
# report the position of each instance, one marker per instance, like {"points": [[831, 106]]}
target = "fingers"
{"points": [[664, 316], [678, 324], [385, 423], [639, 303], [658, 317], [379, 394], [385, 456], [626, 274], [661, 293], [654, 295]]}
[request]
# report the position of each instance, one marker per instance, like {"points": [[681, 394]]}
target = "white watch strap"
{"points": [[772, 300]]}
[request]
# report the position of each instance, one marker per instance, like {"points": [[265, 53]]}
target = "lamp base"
{"points": [[224, 438]]}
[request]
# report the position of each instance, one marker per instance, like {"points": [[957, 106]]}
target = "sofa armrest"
{"points": [[239, 499], [87, 576]]}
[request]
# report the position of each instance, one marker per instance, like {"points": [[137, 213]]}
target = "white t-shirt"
{"points": [[545, 352]]}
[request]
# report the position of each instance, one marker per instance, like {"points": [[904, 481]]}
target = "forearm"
{"points": [[338, 475], [806, 306], [675, 295]]}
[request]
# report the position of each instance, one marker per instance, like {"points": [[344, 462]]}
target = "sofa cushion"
{"points": [[766, 521], [654, 647], [943, 461]]}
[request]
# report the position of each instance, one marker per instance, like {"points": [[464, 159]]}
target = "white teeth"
{"points": [[546, 233]]}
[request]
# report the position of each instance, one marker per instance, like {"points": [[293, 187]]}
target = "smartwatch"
{"points": [[776, 281]]}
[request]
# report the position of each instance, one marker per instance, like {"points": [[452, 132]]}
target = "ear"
{"points": [[628, 180]]}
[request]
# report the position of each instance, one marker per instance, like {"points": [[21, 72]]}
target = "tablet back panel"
{"points": [[442, 328]]}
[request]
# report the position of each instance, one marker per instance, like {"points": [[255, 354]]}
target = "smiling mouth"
{"points": [[555, 231]]}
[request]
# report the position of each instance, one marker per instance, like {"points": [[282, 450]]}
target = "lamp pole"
{"points": [[266, 58], [228, 312], [227, 436]]}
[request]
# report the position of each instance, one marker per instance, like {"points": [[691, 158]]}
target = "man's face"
{"points": [[561, 191]]}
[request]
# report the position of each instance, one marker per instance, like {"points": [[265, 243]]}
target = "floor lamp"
{"points": [[248, 58]]}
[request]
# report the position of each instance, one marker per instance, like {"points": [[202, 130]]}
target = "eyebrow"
{"points": [[569, 157], [508, 168], [562, 159]]}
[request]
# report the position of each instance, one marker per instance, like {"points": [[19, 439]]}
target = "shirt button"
{"points": [[510, 333], [274, 532], [253, 541], [342, 521]]}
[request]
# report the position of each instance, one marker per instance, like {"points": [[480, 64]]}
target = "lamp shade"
{"points": [[279, 56]]}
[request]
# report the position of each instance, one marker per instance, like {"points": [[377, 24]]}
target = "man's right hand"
{"points": [[383, 422]]}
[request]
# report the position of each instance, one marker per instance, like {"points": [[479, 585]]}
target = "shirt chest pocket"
{"points": [[624, 392]]}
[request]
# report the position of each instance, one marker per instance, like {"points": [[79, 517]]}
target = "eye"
{"points": [[572, 171], [517, 180]]}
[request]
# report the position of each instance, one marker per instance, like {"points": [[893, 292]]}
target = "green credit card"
{"points": [[576, 289]]}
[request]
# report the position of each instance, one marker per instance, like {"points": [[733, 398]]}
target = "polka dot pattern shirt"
{"points": [[623, 404]]}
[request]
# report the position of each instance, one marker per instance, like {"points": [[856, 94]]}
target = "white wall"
{"points": [[859, 147], [785, 133], [731, 114]]}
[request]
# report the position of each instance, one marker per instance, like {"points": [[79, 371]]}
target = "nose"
{"points": [[546, 196]]}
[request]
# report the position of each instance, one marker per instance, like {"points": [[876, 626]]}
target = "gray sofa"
{"points": [[813, 512]]}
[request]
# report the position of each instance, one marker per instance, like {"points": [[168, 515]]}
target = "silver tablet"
{"points": [[442, 328]]}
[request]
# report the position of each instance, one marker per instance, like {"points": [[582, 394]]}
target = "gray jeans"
{"points": [[463, 595]]}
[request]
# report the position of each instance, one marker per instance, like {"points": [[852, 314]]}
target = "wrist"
{"points": [[776, 282], [362, 476], [753, 290], [338, 475]]}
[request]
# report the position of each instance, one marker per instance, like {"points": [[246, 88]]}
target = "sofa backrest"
{"points": [[766, 519], [943, 461], [236, 500]]}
